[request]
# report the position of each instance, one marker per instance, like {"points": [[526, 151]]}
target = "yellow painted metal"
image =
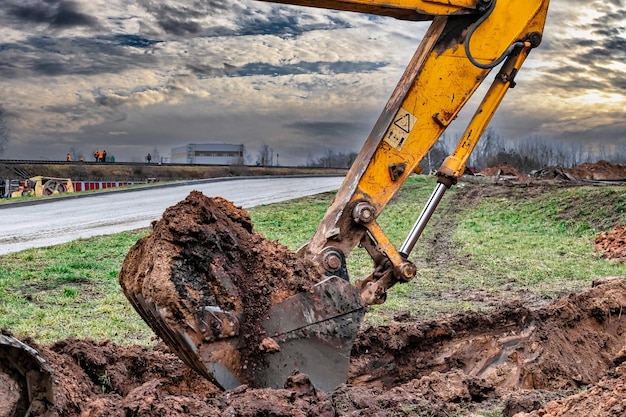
{"points": [[35, 186], [454, 165], [461, 3], [436, 85], [383, 244], [400, 9]]}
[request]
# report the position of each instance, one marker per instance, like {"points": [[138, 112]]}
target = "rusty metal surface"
{"points": [[314, 331], [32, 373]]}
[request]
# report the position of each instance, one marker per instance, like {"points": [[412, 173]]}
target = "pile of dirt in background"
{"points": [[499, 170], [596, 171], [512, 358], [612, 244], [601, 170]]}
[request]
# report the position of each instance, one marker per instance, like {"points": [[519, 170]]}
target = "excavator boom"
{"points": [[313, 331]]}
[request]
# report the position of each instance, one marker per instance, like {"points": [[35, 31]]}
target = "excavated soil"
{"points": [[563, 359], [511, 356], [612, 244], [203, 252], [500, 169], [596, 171]]}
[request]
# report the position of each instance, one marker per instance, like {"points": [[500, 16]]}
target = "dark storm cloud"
{"points": [[187, 20], [263, 68], [328, 129], [285, 25], [43, 55], [178, 20], [58, 14], [573, 77], [592, 56], [597, 134]]}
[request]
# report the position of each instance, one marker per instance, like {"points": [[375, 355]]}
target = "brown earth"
{"points": [[442, 367], [596, 171], [203, 252], [498, 170], [601, 170], [511, 356], [612, 244]]}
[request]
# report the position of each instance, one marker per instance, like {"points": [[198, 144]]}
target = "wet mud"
{"points": [[512, 356]]}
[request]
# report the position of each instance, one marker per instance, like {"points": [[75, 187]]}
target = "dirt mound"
{"points": [[499, 170], [204, 273], [510, 348], [604, 399], [612, 244], [601, 170], [457, 364]]}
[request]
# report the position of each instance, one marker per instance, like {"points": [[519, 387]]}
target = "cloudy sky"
{"points": [[129, 76]]}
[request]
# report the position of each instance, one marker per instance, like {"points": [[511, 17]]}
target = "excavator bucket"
{"points": [[311, 332], [26, 381], [236, 307]]}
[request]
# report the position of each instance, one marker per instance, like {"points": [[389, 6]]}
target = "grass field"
{"points": [[486, 244]]}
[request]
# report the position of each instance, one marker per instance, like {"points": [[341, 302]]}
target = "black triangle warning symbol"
{"points": [[403, 123]]}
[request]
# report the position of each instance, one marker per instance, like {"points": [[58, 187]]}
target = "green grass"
{"points": [[70, 290], [544, 243], [475, 253]]}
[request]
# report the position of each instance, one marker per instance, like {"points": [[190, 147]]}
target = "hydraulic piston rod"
{"points": [[422, 220]]}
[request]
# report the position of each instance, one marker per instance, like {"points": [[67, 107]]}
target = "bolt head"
{"points": [[333, 261]]}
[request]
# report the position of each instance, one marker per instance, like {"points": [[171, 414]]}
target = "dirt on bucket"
{"points": [[205, 272]]}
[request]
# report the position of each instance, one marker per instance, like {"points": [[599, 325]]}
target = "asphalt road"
{"points": [[24, 226]]}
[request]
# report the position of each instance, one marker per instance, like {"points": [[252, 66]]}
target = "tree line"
{"points": [[527, 155]]}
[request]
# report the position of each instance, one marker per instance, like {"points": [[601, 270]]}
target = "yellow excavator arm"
{"points": [[312, 329], [466, 39]]}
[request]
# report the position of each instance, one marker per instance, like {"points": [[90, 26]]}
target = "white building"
{"points": [[208, 153]]}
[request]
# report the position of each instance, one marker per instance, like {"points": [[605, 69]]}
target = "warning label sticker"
{"points": [[400, 128]]}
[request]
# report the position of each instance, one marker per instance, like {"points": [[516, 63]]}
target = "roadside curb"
{"points": [[152, 187]]}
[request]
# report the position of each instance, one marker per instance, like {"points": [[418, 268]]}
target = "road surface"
{"points": [[66, 219]]}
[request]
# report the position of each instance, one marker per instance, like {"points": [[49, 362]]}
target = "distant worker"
{"points": [[149, 157], [104, 156], [96, 155], [69, 157]]}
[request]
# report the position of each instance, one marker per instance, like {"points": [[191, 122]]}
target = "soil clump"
{"points": [[499, 170], [205, 272], [612, 244]]}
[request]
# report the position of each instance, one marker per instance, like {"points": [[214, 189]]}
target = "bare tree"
{"points": [[332, 159], [266, 156], [156, 156], [4, 131]]}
